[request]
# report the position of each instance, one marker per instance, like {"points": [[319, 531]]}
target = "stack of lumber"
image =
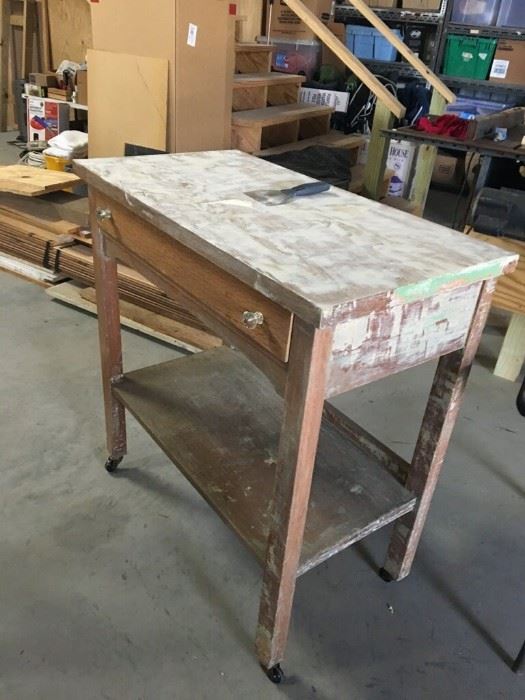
{"points": [[33, 240], [77, 262]]}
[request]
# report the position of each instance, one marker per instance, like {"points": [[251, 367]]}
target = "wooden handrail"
{"points": [[416, 63], [348, 58]]}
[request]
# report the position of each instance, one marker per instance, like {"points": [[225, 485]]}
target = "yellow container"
{"points": [[56, 163]]}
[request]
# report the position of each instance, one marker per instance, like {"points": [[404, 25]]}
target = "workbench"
{"points": [[312, 299]]}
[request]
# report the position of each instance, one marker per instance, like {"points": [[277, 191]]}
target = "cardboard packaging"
{"points": [[43, 79], [325, 98], [285, 22], [385, 4], [197, 39], [509, 63], [81, 87], [45, 119], [400, 160], [421, 5], [448, 171]]}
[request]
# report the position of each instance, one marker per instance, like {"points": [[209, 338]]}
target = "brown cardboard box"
{"points": [[329, 58], [285, 22], [43, 79], [422, 5], [509, 63], [200, 75], [81, 87], [448, 171]]}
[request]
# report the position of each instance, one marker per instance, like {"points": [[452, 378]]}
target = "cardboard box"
{"points": [[400, 159], [329, 58], [81, 87], [285, 22], [198, 40], [385, 4], [45, 119], [43, 79], [422, 5], [509, 63], [448, 171]]}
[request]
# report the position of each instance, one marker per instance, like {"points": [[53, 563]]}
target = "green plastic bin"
{"points": [[469, 57]]}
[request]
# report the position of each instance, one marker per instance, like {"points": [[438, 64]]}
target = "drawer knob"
{"points": [[103, 214], [252, 319]]}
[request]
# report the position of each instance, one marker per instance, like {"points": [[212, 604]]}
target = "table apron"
{"points": [[404, 335]]}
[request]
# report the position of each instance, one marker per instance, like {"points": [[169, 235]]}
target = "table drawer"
{"points": [[225, 297]]}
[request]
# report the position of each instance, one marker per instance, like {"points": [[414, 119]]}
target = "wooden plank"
{"points": [[377, 152], [426, 160], [512, 354], [416, 63], [227, 446], [28, 270], [58, 226], [32, 182], [43, 31], [132, 109], [252, 11], [110, 340], [69, 30], [28, 31], [350, 61], [222, 294], [134, 317], [253, 58], [4, 63], [483, 126], [406, 335], [244, 80], [510, 290], [436, 430], [334, 139], [281, 114]]}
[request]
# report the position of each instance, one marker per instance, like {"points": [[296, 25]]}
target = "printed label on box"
{"points": [[192, 35], [325, 98], [500, 68]]}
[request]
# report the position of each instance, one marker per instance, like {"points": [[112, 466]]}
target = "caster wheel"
{"points": [[112, 464], [275, 674], [383, 573]]}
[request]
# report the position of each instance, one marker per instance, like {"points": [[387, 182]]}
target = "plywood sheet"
{"points": [[69, 30], [32, 182], [252, 10], [128, 102]]}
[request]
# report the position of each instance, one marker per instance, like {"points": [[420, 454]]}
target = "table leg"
{"points": [[304, 400], [110, 347], [438, 423]]}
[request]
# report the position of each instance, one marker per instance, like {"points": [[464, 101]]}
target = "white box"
{"points": [[325, 98], [400, 159]]}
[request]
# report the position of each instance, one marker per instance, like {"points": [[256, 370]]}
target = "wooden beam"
{"points": [[426, 159], [416, 63], [4, 63], [512, 354], [354, 64], [377, 152]]}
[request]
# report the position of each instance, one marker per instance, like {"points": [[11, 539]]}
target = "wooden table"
{"points": [[317, 297]]}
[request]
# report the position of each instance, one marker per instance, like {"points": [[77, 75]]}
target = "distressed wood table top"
{"points": [[320, 257]]}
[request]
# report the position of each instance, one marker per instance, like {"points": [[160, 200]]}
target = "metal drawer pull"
{"points": [[252, 319], [103, 214]]}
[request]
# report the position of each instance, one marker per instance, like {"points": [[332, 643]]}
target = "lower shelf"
{"points": [[219, 419]]}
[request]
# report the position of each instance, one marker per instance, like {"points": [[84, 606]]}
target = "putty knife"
{"points": [[277, 197]]}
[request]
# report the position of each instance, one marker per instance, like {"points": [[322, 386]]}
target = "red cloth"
{"points": [[446, 125]]}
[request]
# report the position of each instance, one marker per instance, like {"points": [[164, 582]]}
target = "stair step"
{"points": [[334, 139], [252, 80], [253, 48], [282, 114]]}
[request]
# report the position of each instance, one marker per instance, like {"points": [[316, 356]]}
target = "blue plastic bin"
{"points": [[360, 40], [383, 49], [368, 42]]}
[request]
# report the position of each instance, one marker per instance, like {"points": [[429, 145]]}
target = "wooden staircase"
{"points": [[266, 108]]}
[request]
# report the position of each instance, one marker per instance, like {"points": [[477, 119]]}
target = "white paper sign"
{"points": [[192, 35], [325, 98], [500, 68]]}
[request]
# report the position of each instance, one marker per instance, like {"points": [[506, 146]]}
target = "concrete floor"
{"points": [[130, 587]]}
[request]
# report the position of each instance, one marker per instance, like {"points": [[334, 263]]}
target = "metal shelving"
{"points": [[489, 31], [345, 14]]}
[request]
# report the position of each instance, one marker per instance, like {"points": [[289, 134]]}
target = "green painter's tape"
{"points": [[422, 290]]}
